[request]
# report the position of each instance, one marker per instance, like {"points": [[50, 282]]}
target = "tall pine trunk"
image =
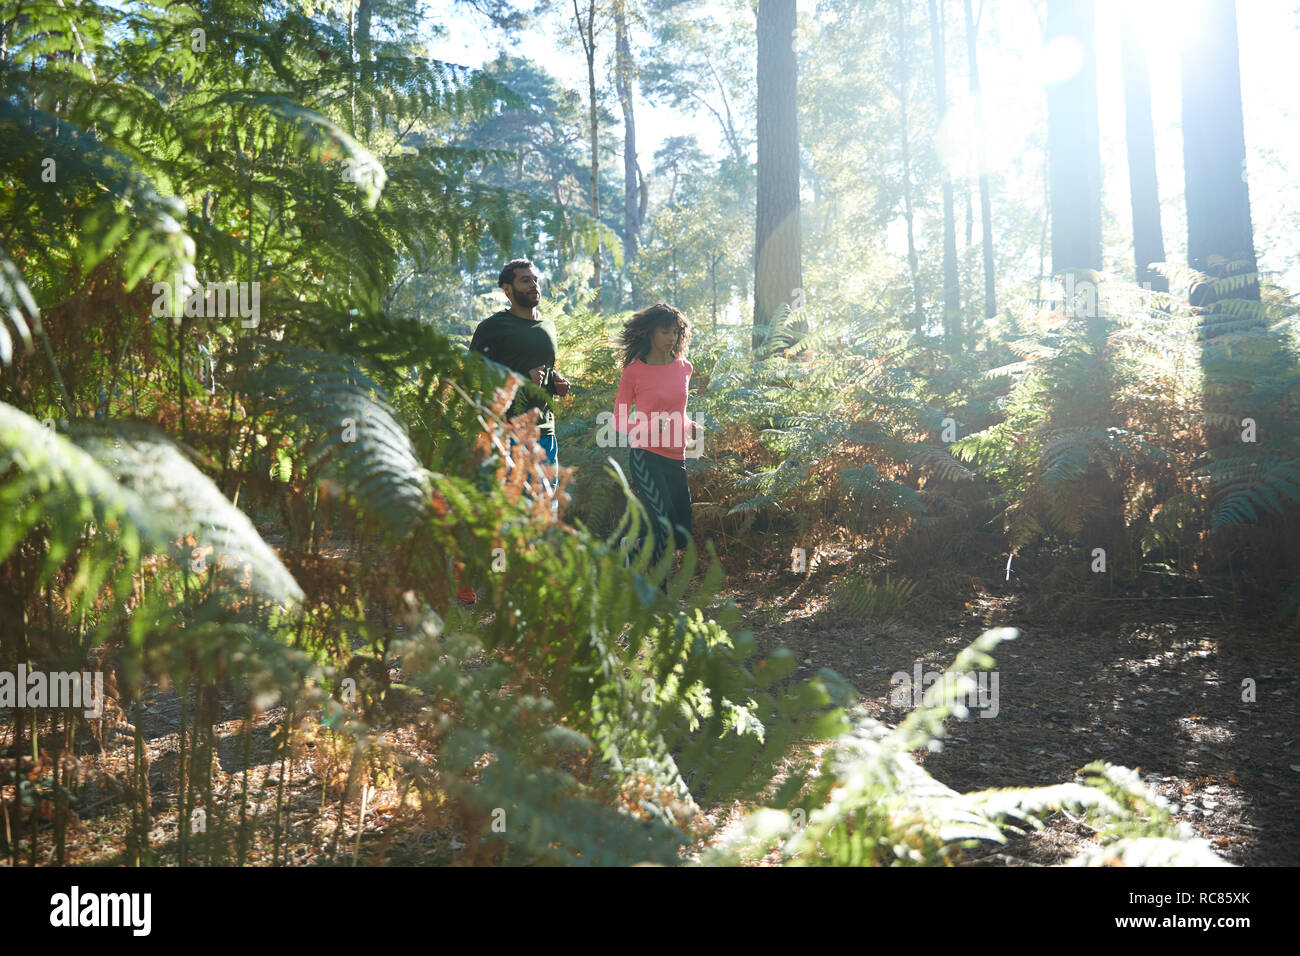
{"points": [[1139, 136], [951, 282], [778, 277], [981, 156], [587, 34], [365, 55], [624, 74], [1074, 173], [1220, 241], [1074, 150], [909, 216]]}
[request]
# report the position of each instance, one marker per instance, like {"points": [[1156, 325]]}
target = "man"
{"points": [[525, 342]]}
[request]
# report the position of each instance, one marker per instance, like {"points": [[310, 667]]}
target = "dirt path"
{"points": [[1154, 685]]}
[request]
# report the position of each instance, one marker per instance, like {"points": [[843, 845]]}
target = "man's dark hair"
{"points": [[510, 268]]}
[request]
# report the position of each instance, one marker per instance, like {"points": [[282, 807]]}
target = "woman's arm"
{"points": [[625, 400], [694, 431]]}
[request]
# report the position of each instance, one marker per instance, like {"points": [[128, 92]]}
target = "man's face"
{"points": [[524, 290]]}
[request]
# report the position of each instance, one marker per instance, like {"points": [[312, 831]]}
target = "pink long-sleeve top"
{"points": [[658, 393]]}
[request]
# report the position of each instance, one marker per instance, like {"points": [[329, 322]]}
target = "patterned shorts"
{"points": [[660, 486]]}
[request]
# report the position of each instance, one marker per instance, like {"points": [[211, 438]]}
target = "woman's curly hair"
{"points": [[635, 339]]}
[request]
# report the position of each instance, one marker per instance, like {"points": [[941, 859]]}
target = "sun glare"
{"points": [[1062, 59], [1159, 24]]}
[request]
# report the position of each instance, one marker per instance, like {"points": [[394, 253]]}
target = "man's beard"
{"points": [[529, 300]]}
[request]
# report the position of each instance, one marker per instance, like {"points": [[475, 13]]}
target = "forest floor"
{"points": [[1153, 683]]}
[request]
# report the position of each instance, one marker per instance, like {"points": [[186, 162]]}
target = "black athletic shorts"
{"points": [[660, 486]]}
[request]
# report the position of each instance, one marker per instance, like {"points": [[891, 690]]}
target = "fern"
{"points": [[105, 502], [876, 602], [344, 427], [98, 195], [19, 308], [872, 804], [1246, 487]]}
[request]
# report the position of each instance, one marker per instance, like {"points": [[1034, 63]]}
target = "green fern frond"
{"points": [[1012, 370], [866, 482], [344, 427], [1246, 487], [315, 136], [107, 497], [98, 195], [939, 463], [875, 602], [1150, 851], [873, 804], [19, 308], [184, 503], [1242, 309], [1066, 455], [1028, 805]]}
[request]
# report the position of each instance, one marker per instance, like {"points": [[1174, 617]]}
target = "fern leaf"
{"points": [[19, 308], [344, 427]]}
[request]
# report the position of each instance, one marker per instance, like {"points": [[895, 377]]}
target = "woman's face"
{"points": [[665, 337]]}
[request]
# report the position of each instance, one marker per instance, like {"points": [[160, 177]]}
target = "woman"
{"points": [[656, 377]]}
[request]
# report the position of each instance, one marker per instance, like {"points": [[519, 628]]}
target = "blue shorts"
{"points": [[551, 447]]}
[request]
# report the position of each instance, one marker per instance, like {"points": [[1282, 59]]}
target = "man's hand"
{"points": [[537, 374], [560, 382]]}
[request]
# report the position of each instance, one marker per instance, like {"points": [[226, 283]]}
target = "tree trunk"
{"points": [[778, 278], [1047, 221], [624, 74], [1074, 148], [1139, 135], [981, 157], [904, 81], [951, 282], [1220, 241], [365, 55], [587, 34], [713, 283]]}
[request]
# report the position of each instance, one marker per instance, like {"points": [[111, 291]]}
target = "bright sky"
{"points": [[1012, 72], [472, 42]]}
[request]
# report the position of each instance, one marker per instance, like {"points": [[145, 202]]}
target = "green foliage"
{"points": [[680, 685], [97, 195], [258, 162], [96, 508], [1179, 426], [880, 602], [504, 754], [846, 419], [1248, 486], [360, 183], [19, 308], [341, 425]]}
